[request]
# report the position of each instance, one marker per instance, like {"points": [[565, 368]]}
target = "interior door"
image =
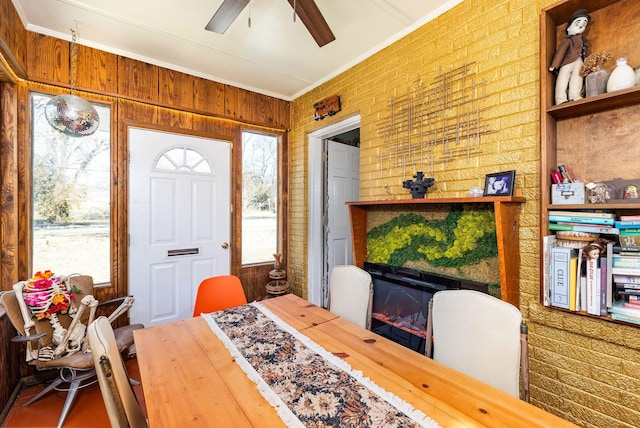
{"points": [[343, 185], [179, 221]]}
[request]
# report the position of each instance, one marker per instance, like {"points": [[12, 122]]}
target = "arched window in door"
{"points": [[183, 159]]}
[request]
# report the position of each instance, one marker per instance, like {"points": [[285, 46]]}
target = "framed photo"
{"points": [[499, 183]]}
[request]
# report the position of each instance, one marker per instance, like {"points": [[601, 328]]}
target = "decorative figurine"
{"points": [[630, 192], [418, 187], [569, 57]]}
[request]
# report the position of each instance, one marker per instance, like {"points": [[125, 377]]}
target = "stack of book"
{"points": [[629, 231], [573, 280], [585, 226], [626, 279]]}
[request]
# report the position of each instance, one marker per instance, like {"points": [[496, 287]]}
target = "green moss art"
{"points": [[465, 236]]}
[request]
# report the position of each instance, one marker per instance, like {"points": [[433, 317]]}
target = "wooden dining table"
{"points": [[190, 379]]}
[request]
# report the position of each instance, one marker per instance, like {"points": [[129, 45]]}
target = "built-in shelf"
{"points": [[507, 232]]}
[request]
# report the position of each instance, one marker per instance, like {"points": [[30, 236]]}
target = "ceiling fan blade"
{"points": [[225, 15], [312, 18]]}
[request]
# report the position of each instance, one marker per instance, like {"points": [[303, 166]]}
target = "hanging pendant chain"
{"points": [[74, 59]]}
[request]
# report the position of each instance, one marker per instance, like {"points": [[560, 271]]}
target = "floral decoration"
{"points": [[594, 62], [47, 294]]}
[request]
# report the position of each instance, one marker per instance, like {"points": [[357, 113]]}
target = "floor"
{"points": [[87, 411]]}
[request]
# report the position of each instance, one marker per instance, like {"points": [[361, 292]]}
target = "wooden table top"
{"points": [[190, 379]]}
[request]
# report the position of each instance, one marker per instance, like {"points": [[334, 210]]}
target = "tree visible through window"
{"points": [[259, 197], [71, 197]]}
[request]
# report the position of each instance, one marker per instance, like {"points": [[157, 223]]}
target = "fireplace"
{"points": [[401, 301]]}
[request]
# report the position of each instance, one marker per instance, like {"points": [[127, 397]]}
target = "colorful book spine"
{"points": [[626, 262], [630, 241], [593, 287], [626, 279], [626, 318], [628, 224], [548, 242], [582, 214], [560, 276], [584, 228], [618, 308], [578, 219], [630, 218]]}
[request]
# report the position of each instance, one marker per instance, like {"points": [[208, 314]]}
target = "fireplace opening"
{"points": [[401, 301]]}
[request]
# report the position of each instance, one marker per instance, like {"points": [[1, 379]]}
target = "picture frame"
{"points": [[499, 183]]}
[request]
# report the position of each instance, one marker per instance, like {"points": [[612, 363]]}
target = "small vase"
{"points": [[596, 83], [622, 76]]}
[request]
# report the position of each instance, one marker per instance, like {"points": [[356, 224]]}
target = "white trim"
{"points": [[315, 244]]}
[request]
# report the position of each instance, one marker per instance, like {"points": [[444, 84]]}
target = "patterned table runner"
{"points": [[306, 384]]}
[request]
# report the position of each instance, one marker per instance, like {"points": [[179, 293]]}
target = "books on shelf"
{"points": [[593, 275], [582, 214], [626, 279], [630, 218], [548, 242], [581, 219], [626, 262], [581, 227], [619, 308], [560, 275], [630, 241], [627, 224], [626, 318]]}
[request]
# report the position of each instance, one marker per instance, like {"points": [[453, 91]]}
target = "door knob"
{"points": [[225, 245]]}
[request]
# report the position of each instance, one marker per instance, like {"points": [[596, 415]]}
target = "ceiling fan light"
{"points": [[72, 115]]}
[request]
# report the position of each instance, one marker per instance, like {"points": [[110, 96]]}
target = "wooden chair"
{"points": [[217, 293], [77, 368], [122, 405], [351, 294], [481, 336]]}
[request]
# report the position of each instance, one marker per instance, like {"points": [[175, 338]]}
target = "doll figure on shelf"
{"points": [[595, 249], [568, 59]]}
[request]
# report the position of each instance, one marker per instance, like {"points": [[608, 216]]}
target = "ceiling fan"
{"points": [[307, 10]]}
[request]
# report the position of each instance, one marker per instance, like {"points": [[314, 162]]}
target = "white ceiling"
{"points": [[276, 56]]}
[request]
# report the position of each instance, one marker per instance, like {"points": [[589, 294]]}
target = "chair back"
{"points": [[118, 396], [26, 325], [351, 294], [218, 293], [479, 335]]}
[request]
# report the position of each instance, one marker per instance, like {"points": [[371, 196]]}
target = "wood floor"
{"points": [[88, 409]]}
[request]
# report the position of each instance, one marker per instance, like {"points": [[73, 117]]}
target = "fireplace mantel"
{"points": [[507, 232]]}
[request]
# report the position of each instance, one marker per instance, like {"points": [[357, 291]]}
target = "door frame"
{"points": [[315, 256]]}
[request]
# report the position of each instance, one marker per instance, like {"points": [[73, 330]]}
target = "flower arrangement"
{"points": [[594, 62], [47, 294]]}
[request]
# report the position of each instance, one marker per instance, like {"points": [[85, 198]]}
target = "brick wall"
{"points": [[582, 369]]}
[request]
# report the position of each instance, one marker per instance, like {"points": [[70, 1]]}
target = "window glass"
{"points": [[71, 197], [259, 197]]}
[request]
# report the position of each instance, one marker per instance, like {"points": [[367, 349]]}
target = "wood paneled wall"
{"points": [[139, 94]]}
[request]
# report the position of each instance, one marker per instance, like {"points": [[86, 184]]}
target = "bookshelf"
{"points": [[596, 136], [507, 232]]}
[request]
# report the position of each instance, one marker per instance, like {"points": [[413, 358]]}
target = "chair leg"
{"points": [[524, 360], [57, 381], [71, 395]]}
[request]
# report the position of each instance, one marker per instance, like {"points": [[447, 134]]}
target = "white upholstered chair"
{"points": [[479, 335], [122, 406], [351, 294]]}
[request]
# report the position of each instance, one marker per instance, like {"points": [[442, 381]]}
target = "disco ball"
{"points": [[72, 115]]}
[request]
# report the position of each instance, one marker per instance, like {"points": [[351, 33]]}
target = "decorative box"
{"points": [[567, 193]]}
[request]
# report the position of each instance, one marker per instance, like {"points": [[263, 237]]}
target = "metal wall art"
{"points": [[434, 124]]}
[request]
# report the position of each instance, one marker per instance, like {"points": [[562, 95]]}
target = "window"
{"points": [[259, 197], [71, 197]]}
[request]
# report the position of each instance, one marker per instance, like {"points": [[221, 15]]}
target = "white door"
{"points": [[343, 185], [179, 221]]}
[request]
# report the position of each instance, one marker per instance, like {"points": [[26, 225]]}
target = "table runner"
{"points": [[306, 384]]}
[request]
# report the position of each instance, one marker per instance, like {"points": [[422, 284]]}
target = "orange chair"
{"points": [[217, 293]]}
